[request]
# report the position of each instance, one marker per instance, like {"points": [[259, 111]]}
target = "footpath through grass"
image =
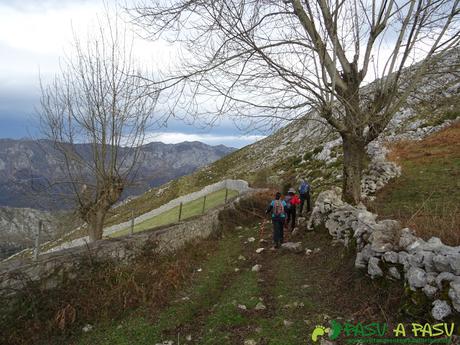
{"points": [[427, 195], [227, 303], [190, 209]]}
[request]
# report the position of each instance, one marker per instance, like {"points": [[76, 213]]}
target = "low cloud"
{"points": [[210, 139]]}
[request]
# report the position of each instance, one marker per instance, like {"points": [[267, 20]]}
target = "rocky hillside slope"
{"points": [[19, 226], [308, 148]]}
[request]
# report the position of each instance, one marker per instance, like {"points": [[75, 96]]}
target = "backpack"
{"points": [[278, 208], [287, 200], [304, 188]]}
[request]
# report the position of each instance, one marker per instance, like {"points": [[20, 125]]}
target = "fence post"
{"points": [[132, 222], [37, 240], [226, 195], [180, 211], [204, 204]]}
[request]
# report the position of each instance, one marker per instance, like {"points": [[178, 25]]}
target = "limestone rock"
{"points": [[418, 244], [360, 263], [295, 247], [367, 252], [454, 295], [428, 261], [454, 263], [373, 268], [431, 278], [88, 328], [441, 263], [429, 291], [259, 250], [391, 257], [250, 342], [394, 273], [444, 276], [260, 306], [441, 310], [287, 323], [256, 268], [407, 238], [416, 278], [403, 259]]}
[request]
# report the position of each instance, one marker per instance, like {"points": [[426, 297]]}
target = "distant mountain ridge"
{"points": [[24, 163]]}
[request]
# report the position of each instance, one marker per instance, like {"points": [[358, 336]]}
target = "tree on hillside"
{"points": [[274, 60], [97, 99]]}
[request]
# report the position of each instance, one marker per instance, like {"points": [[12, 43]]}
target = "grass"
{"points": [[205, 286], [427, 195], [296, 289], [190, 209]]}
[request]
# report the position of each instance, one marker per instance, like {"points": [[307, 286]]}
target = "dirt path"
{"points": [[227, 303]]}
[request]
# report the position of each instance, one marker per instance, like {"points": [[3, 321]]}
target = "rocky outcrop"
{"points": [[19, 226]]}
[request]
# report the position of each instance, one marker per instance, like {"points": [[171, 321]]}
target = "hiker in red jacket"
{"points": [[292, 200]]}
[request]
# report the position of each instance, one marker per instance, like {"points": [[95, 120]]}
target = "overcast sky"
{"points": [[34, 35]]}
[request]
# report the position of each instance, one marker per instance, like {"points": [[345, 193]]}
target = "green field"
{"points": [[190, 209]]}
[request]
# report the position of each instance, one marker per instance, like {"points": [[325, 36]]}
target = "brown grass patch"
{"points": [[443, 144], [426, 197]]}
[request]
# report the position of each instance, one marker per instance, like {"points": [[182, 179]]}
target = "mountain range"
{"points": [[28, 163]]}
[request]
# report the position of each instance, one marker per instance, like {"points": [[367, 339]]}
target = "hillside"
{"points": [[307, 148], [426, 197]]}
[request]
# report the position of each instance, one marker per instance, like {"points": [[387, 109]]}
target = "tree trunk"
{"points": [[354, 151], [96, 225]]}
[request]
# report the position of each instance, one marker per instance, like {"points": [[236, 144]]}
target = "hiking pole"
{"points": [[262, 229]]}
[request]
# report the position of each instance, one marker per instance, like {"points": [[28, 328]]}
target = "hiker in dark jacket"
{"points": [[304, 192], [292, 200], [277, 209]]}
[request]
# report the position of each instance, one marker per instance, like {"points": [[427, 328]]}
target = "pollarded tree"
{"points": [[97, 99], [277, 60]]}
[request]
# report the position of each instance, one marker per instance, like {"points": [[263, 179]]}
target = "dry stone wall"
{"points": [[53, 268], [385, 248]]}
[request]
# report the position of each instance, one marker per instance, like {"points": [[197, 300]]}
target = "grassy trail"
{"points": [[190, 209], [218, 306]]}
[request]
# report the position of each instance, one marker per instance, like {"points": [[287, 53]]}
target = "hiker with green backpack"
{"points": [[278, 213]]}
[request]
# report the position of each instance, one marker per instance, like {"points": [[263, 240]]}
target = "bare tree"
{"points": [[96, 113], [277, 60]]}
